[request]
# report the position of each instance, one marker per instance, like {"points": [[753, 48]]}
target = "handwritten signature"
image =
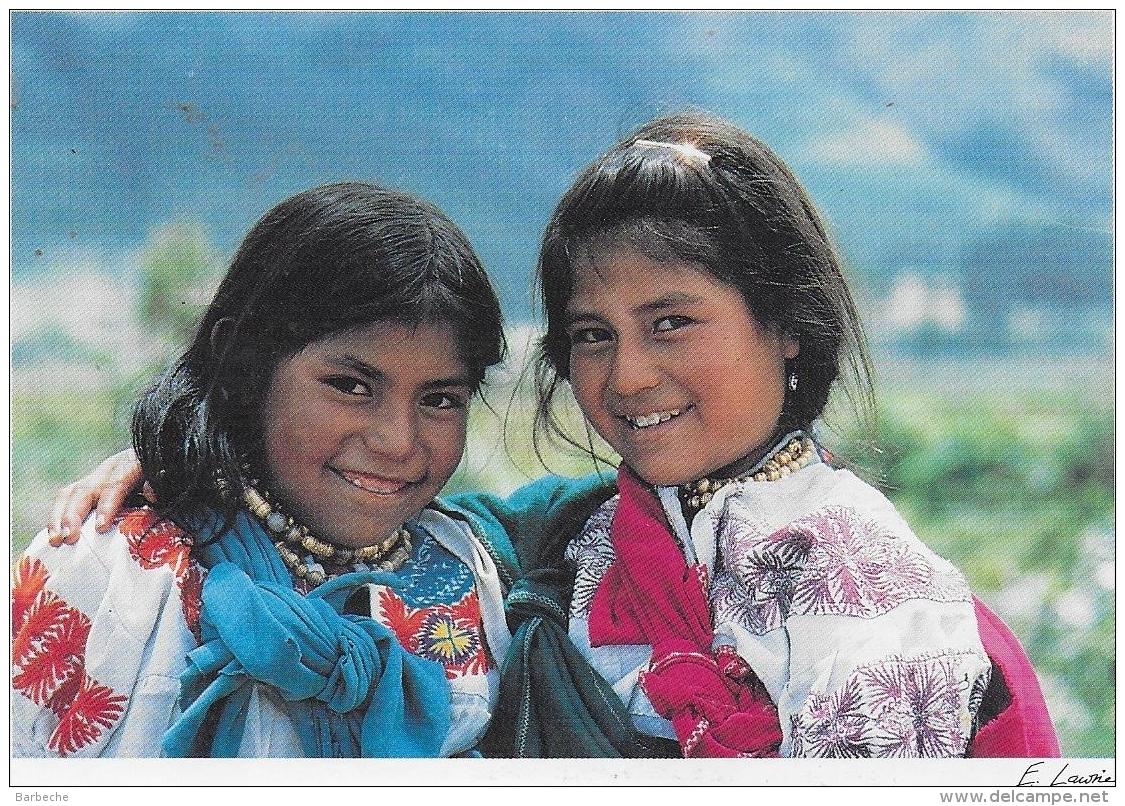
{"points": [[1033, 776]]}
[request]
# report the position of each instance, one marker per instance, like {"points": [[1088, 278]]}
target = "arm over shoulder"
{"points": [[527, 527]]}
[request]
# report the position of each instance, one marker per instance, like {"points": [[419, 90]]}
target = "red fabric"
{"points": [[1023, 729], [650, 595]]}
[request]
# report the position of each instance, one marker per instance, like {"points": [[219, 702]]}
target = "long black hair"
{"points": [[321, 262], [696, 188]]}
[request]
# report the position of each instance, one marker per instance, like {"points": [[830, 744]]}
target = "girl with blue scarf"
{"points": [[297, 591]]}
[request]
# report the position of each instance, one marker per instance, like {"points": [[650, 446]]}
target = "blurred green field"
{"points": [[1011, 478]]}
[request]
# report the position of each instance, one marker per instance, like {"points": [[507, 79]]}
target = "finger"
{"points": [[82, 500], [54, 517], [125, 480]]}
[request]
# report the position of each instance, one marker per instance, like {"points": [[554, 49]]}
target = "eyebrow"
{"points": [[371, 373], [658, 304]]}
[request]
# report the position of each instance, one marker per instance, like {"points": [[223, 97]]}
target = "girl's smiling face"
{"points": [[363, 428], [670, 367]]}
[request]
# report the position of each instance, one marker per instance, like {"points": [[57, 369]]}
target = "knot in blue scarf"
{"points": [[350, 688]]}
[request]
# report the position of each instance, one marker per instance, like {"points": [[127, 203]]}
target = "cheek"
{"points": [[299, 436], [291, 456], [447, 446], [758, 391], [585, 384]]}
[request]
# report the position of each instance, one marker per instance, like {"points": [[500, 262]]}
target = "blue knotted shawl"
{"points": [[350, 688]]}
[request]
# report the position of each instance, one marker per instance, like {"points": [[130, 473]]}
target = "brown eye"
{"points": [[348, 385], [669, 323], [590, 335], [444, 401]]}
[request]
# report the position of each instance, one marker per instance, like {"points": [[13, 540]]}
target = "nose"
{"points": [[633, 370], [392, 432]]}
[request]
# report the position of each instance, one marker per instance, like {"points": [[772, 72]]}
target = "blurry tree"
{"points": [[177, 268], [58, 434]]}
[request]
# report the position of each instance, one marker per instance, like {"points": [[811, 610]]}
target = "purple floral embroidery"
{"points": [[768, 570], [592, 553], [729, 602], [899, 707], [835, 726], [832, 562]]}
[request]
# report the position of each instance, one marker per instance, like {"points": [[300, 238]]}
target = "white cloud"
{"points": [[82, 300], [871, 141], [1086, 36], [93, 308]]}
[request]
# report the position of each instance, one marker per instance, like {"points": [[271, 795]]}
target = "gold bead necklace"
{"points": [[388, 554], [785, 461]]}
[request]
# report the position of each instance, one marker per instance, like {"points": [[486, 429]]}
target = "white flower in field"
{"points": [[1076, 608], [1106, 575], [1021, 599]]}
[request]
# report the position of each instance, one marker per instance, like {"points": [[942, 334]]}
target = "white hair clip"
{"points": [[686, 149]]}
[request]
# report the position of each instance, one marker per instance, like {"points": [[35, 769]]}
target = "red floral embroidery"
{"points": [[135, 522], [29, 578], [43, 618], [49, 657], [400, 618], [55, 654], [49, 644], [95, 708], [154, 542], [64, 695], [449, 634]]}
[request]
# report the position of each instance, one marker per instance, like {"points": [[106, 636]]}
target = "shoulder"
{"points": [[839, 542], [141, 553], [820, 494], [594, 539], [591, 553], [91, 621]]}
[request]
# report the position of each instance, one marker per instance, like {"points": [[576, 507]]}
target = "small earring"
{"points": [[792, 381]]}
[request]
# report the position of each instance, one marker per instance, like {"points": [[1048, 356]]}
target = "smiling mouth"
{"points": [[377, 485], [638, 423]]}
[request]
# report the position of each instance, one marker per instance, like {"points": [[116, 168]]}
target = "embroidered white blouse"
{"points": [[101, 631], [864, 638]]}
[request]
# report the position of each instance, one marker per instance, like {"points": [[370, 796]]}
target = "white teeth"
{"points": [[386, 487], [646, 420]]}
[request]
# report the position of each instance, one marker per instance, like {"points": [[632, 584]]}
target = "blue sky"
{"points": [[916, 132]]}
